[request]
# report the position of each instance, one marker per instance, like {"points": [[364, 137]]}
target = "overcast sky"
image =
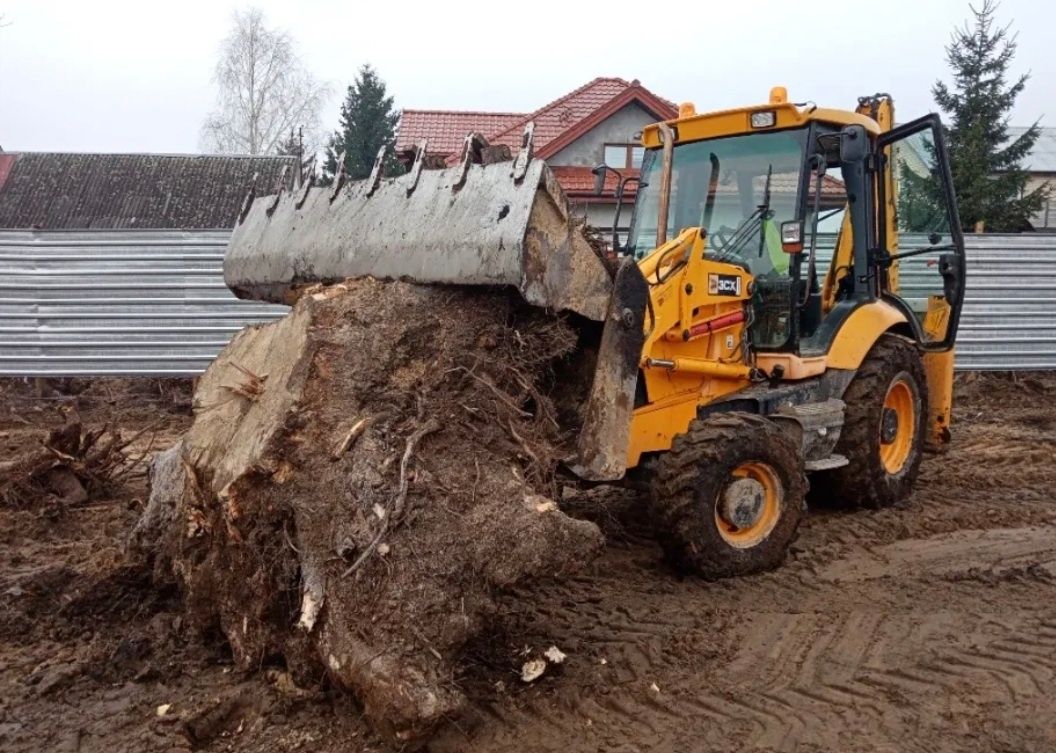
{"points": [[136, 76]]}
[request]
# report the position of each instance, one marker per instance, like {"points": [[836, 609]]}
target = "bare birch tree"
{"points": [[265, 91]]}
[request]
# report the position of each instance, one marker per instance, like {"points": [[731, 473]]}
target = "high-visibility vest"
{"points": [[772, 239]]}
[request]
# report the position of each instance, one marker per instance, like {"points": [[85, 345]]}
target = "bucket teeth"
{"points": [[340, 178], [247, 202], [472, 147], [281, 189], [375, 172], [308, 185], [524, 156], [416, 166]]}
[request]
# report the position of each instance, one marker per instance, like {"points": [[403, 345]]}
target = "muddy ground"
{"points": [[931, 626]]}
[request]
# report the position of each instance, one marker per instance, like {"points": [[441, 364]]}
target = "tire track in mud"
{"points": [[810, 678], [996, 551], [927, 626], [823, 684], [832, 669], [846, 652]]}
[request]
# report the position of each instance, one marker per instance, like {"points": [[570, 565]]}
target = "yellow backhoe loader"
{"points": [[730, 363]]}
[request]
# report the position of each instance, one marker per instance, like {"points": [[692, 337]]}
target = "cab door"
{"points": [[920, 257]]}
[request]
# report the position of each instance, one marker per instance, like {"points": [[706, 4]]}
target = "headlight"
{"points": [[792, 232], [764, 119], [792, 237]]}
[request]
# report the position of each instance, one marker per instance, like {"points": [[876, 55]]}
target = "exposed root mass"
{"points": [[360, 481]]}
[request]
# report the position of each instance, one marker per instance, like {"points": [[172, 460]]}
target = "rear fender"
{"points": [[859, 332]]}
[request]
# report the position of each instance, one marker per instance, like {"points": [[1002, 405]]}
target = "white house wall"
{"points": [[618, 128]]}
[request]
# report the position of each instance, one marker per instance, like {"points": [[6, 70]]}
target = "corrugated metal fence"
{"points": [[1009, 318], [154, 303], [117, 303]]}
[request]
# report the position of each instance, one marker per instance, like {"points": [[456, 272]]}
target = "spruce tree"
{"points": [[367, 121], [988, 176], [292, 145]]}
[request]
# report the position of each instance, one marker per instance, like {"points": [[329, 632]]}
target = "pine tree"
{"points": [[922, 197], [292, 145], [987, 166], [367, 122]]}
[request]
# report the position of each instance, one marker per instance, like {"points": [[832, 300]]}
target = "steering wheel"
{"points": [[723, 236]]}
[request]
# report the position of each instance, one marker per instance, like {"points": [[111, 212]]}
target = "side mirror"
{"points": [[792, 237], [599, 179], [854, 144]]}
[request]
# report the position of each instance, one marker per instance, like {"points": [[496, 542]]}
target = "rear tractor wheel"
{"points": [[883, 430], [728, 496]]}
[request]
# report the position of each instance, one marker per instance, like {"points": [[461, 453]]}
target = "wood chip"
{"points": [[554, 655], [349, 439], [532, 670]]}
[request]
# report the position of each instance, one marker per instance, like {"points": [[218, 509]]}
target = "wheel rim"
{"points": [[736, 530], [898, 424]]}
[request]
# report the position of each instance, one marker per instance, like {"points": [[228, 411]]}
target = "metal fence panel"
{"points": [[117, 303], [154, 303]]}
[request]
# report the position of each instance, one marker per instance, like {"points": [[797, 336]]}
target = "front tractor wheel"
{"points": [[728, 497]]}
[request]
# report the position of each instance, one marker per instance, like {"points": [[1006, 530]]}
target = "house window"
{"points": [[621, 156]]}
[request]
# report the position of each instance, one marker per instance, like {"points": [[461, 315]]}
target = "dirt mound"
{"points": [[1024, 394], [951, 635], [362, 478]]}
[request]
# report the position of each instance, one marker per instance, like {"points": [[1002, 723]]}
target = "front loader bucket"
{"points": [[506, 223]]}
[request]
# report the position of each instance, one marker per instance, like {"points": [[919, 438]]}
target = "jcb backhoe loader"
{"points": [[730, 364]]}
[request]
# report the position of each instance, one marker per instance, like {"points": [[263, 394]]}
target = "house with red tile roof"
{"points": [[598, 122]]}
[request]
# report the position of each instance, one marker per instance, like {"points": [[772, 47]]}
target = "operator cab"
{"points": [[788, 193], [741, 190]]}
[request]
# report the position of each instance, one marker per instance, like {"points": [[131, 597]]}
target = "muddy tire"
{"points": [[726, 500], [883, 430]]}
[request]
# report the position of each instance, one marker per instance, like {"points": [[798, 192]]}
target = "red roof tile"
{"points": [[446, 129], [572, 115], [553, 119], [830, 187], [558, 122], [579, 181], [6, 161]]}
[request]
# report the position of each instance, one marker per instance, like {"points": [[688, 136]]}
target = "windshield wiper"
{"points": [[746, 230], [764, 210], [713, 189]]}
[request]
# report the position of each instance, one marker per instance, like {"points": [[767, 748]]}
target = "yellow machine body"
{"points": [[684, 373]]}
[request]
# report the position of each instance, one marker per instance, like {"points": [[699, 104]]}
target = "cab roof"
{"points": [[694, 127]]}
